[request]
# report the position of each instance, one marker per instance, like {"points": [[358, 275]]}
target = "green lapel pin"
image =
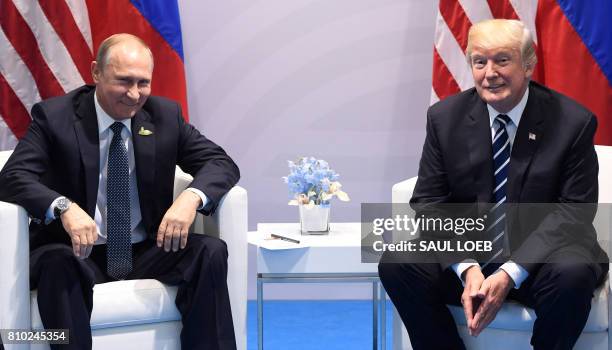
{"points": [[144, 132]]}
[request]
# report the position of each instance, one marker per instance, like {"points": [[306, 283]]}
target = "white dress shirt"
{"points": [[514, 270], [105, 135]]}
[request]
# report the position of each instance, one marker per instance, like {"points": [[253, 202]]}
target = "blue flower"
{"points": [[313, 179]]}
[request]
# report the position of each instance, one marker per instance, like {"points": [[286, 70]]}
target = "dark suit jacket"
{"points": [[59, 156], [559, 166]]}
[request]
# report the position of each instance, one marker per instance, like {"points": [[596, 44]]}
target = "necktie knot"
{"points": [[503, 119], [116, 127]]}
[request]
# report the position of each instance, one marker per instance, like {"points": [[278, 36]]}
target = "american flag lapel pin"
{"points": [[532, 136]]}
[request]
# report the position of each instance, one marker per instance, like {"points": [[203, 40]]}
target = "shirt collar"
{"points": [[105, 120], [514, 114]]}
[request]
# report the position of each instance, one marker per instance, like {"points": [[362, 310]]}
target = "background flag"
{"points": [[46, 48], [574, 48]]}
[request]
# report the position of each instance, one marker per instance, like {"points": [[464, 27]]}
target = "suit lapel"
{"points": [[479, 147], [86, 128], [528, 135], [143, 138]]}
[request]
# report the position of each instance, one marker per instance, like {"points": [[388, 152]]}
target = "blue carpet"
{"points": [[314, 325]]}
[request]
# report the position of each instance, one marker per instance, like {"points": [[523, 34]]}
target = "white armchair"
{"points": [[135, 314], [511, 329]]}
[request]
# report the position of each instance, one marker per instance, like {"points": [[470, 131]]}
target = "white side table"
{"points": [[332, 258]]}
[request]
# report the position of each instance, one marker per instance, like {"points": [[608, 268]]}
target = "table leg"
{"points": [[375, 315], [383, 317], [259, 314]]}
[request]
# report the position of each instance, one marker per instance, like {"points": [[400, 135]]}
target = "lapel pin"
{"points": [[532, 136], [145, 132]]}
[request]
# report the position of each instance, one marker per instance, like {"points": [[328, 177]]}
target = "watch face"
{"points": [[63, 204]]}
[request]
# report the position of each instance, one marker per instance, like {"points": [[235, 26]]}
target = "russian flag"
{"points": [[575, 55], [157, 22]]}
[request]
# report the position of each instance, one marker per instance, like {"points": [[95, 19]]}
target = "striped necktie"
{"points": [[497, 214], [118, 228]]}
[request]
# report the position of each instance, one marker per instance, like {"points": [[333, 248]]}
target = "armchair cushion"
{"points": [[126, 303], [516, 317]]}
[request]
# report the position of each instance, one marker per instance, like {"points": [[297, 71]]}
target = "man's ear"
{"points": [[95, 71], [529, 68]]}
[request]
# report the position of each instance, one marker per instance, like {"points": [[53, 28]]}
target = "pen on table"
{"points": [[283, 238]]}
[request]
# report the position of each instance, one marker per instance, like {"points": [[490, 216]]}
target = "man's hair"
{"points": [[507, 33], [103, 56]]}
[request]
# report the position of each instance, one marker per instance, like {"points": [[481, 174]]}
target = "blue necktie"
{"points": [[497, 214], [119, 241]]}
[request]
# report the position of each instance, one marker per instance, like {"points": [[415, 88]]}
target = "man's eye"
{"points": [[503, 60]]}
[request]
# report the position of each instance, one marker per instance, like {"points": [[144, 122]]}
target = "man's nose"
{"points": [[491, 70], [133, 92]]}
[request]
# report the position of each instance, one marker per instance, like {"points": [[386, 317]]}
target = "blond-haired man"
{"points": [[508, 140]]}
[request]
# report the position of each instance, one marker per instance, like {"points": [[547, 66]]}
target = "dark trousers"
{"points": [[560, 294], [65, 288]]}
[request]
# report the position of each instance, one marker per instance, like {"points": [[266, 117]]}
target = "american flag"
{"points": [[46, 48], [574, 48]]}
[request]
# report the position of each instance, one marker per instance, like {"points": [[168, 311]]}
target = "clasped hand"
{"points": [[482, 298]]}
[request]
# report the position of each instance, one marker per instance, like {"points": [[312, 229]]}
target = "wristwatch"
{"points": [[61, 206]]}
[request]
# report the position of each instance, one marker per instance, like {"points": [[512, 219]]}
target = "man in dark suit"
{"points": [[96, 173], [508, 140]]}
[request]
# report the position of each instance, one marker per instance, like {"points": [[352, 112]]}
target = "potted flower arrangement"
{"points": [[312, 184]]}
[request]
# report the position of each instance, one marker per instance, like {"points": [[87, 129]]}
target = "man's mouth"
{"points": [[494, 87], [130, 104]]}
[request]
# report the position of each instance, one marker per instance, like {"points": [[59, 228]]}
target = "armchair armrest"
{"points": [[230, 223], [402, 191], [14, 269]]}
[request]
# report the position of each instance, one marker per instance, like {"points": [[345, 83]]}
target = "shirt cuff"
{"points": [[49, 215], [516, 272], [459, 268], [200, 194]]}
